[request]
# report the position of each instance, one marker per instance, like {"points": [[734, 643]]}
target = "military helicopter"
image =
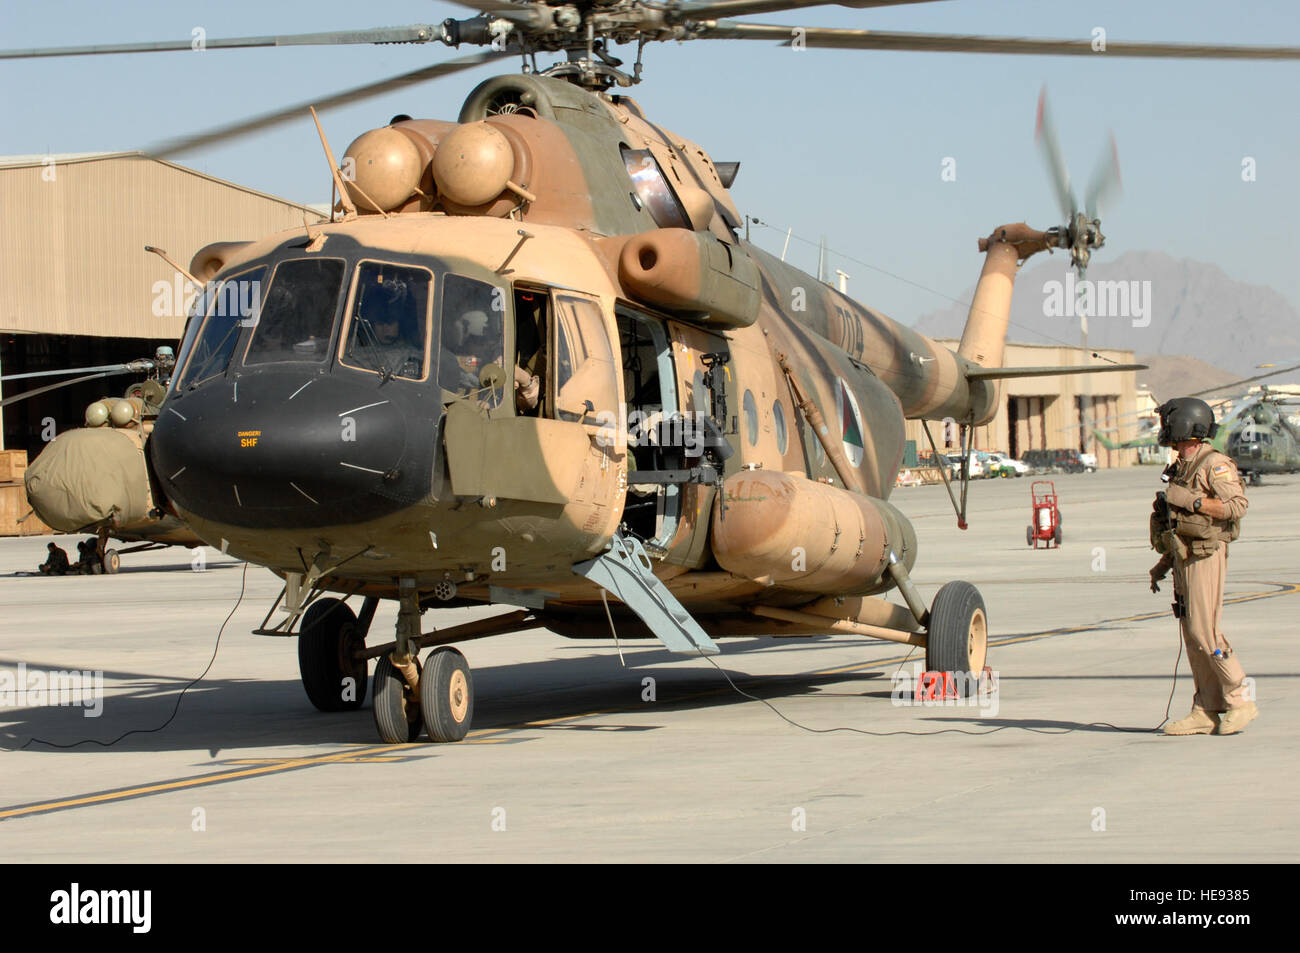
{"points": [[93, 479], [534, 363], [1258, 433], [1264, 438]]}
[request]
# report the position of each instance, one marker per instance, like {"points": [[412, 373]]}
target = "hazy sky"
{"points": [[845, 144]]}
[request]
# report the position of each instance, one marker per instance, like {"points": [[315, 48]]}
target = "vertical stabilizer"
{"points": [[984, 338]]}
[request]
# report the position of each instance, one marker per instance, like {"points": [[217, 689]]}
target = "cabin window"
{"points": [[210, 343], [298, 311], [584, 362], [473, 336], [751, 418], [388, 328], [782, 434], [653, 189]]}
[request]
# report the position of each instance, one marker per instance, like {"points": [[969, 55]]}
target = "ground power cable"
{"points": [[940, 731], [243, 581]]}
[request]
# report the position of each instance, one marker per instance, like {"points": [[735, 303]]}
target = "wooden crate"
{"points": [[13, 507], [12, 465]]}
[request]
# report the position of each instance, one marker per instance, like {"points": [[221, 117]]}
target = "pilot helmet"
{"points": [[1185, 418]]}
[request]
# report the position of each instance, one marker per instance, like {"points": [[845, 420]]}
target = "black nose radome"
{"points": [[284, 449]]}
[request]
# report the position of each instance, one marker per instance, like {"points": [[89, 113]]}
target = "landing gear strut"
{"points": [[438, 696], [397, 676]]}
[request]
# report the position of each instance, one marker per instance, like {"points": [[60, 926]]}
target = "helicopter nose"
{"points": [[87, 476], [287, 450]]}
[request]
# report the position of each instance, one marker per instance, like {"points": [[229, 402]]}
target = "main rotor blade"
{"points": [[709, 9], [49, 387], [1244, 380], [418, 33], [829, 38], [1050, 146], [1105, 184], [244, 127], [141, 366]]}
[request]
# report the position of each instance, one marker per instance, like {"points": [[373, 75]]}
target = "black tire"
{"points": [[957, 639], [326, 640], [1057, 534], [397, 709], [112, 561], [1029, 535], [447, 695]]}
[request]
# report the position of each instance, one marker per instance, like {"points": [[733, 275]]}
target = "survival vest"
{"points": [[1194, 534]]}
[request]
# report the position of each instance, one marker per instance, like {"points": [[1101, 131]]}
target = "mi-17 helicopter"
{"points": [[534, 363], [92, 479], [1264, 437], [1259, 435]]}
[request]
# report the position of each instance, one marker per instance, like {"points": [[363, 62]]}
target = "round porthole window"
{"points": [[751, 418], [778, 421]]}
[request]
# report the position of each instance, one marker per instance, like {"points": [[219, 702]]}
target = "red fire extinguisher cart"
{"points": [[1045, 525]]}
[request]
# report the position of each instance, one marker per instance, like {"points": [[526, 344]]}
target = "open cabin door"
{"points": [[538, 454], [674, 387]]}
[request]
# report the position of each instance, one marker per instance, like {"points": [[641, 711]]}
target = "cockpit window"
{"points": [[653, 190], [473, 336], [388, 330], [297, 317], [210, 342]]}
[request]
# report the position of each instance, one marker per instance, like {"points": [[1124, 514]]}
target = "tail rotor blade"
{"points": [[1106, 184], [1050, 146]]}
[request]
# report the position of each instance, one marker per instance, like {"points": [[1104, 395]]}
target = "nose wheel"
{"points": [[397, 705], [447, 695]]}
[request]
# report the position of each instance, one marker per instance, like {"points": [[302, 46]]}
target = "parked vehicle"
{"points": [[1064, 461], [1000, 464], [976, 468]]}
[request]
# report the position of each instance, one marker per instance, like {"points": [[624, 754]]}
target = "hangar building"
{"points": [[78, 288]]}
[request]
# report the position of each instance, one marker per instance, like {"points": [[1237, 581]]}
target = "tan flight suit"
{"points": [[1199, 578]]}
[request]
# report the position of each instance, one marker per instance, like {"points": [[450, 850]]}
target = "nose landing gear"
{"points": [[439, 697], [436, 697]]}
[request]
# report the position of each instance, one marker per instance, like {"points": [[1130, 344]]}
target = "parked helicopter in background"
{"points": [[1264, 437], [94, 479], [536, 364]]}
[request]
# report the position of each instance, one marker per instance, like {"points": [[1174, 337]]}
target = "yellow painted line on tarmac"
{"points": [[180, 784]]}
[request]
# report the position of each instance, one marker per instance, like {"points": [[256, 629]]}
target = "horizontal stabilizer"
{"points": [[997, 373]]}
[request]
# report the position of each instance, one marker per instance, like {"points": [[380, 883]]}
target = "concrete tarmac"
{"points": [[569, 760]]}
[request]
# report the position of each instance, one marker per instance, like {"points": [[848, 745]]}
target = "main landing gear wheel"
{"points": [[327, 641], [397, 709], [958, 638], [112, 561], [447, 695]]}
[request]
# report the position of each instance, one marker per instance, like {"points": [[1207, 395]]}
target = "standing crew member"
{"points": [[1195, 520]]}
